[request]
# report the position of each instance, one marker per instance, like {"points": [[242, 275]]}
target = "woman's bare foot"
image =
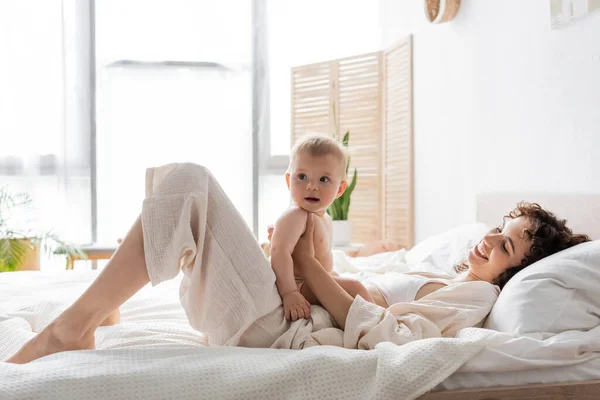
{"points": [[113, 319], [53, 339]]}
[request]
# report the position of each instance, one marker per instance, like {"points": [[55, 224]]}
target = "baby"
{"points": [[316, 176]]}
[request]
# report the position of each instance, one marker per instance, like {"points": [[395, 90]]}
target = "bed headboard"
{"points": [[582, 211]]}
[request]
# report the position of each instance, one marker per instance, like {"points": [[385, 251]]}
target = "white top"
{"points": [[401, 287]]}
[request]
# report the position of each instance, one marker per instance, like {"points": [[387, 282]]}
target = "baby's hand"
{"points": [[295, 306]]}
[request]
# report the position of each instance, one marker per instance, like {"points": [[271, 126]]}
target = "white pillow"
{"points": [[447, 249], [556, 294]]}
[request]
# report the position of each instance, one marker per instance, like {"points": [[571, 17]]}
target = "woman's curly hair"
{"points": [[547, 234]]}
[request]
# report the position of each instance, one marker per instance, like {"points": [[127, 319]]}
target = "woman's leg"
{"points": [[187, 223], [122, 277], [112, 319], [228, 284]]}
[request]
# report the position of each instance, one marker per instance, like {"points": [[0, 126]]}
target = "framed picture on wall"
{"points": [[564, 11]]}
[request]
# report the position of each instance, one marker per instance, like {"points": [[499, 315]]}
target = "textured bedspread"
{"points": [[154, 354], [193, 372]]}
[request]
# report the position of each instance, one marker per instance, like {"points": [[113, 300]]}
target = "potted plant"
{"points": [[20, 248], [338, 210]]}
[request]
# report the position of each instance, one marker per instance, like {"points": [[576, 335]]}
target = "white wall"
{"points": [[502, 103]]}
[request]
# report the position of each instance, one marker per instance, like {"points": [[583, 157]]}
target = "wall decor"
{"points": [[564, 11]]}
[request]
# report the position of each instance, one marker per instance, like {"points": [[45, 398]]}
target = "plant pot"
{"points": [[342, 232], [31, 259]]}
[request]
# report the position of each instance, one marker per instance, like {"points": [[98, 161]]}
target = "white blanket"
{"points": [[189, 372], [154, 353]]}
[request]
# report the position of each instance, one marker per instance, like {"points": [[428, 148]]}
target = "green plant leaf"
{"points": [[350, 188], [12, 252], [347, 207], [13, 247], [346, 196], [8, 202], [339, 209], [52, 244], [345, 201], [345, 142], [334, 209]]}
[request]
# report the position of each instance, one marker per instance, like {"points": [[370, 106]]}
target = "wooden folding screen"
{"points": [[371, 96], [398, 185]]}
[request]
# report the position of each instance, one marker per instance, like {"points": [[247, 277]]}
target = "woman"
{"points": [[528, 234], [228, 290]]}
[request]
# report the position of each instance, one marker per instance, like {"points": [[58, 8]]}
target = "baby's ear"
{"points": [[287, 179], [342, 188]]}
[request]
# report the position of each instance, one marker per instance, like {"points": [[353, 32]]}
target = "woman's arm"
{"points": [[326, 290]]}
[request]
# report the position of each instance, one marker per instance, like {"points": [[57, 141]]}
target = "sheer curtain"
{"points": [[301, 32], [43, 150], [173, 85]]}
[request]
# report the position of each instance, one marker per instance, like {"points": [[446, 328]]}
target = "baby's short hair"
{"points": [[319, 145]]}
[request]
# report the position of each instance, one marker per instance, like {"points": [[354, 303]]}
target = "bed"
{"points": [[154, 353]]}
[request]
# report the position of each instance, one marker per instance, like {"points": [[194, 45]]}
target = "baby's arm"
{"points": [[288, 229]]}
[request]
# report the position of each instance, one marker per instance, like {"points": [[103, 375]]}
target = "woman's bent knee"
{"points": [[190, 172], [193, 168], [178, 179]]}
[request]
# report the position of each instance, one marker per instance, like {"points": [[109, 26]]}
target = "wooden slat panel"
{"points": [[360, 88], [371, 96], [311, 103], [398, 146]]}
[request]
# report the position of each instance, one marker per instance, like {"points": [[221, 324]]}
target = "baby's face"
{"points": [[315, 182]]}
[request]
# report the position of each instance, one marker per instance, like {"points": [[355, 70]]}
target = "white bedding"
{"points": [[154, 353]]}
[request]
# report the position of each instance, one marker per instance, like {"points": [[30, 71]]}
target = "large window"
{"points": [[44, 145], [173, 85]]}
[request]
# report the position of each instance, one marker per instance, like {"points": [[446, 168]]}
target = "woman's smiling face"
{"points": [[500, 249]]}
